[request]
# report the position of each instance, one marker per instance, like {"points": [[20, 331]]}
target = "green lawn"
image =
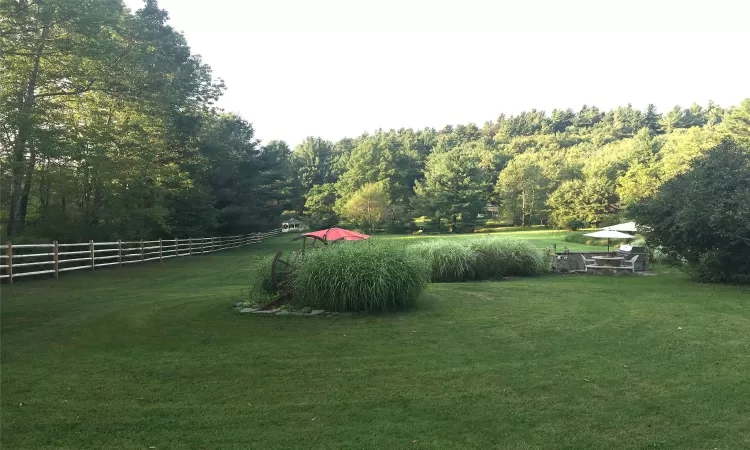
{"points": [[154, 357]]}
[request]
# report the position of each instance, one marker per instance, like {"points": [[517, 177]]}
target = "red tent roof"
{"points": [[335, 234]]}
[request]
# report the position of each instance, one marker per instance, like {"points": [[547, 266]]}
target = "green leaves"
{"points": [[702, 215], [109, 131], [367, 207], [359, 276]]}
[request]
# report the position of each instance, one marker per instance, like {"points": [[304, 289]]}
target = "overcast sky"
{"points": [[296, 68]]}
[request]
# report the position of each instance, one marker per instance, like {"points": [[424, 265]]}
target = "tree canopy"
{"points": [[702, 216], [109, 129]]}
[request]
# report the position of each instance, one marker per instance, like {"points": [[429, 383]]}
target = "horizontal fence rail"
{"points": [[52, 259]]}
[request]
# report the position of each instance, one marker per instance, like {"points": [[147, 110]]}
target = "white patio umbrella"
{"points": [[627, 227], [608, 234]]}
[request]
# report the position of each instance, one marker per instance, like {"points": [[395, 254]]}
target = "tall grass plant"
{"points": [[359, 276]]}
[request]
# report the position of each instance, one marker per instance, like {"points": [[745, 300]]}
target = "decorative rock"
{"points": [[270, 311], [284, 313], [247, 310], [317, 312], [298, 313], [335, 313]]}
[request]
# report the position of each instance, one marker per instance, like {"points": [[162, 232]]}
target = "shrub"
{"points": [[701, 216], [359, 276], [449, 260], [574, 224], [500, 257], [579, 238], [261, 286]]}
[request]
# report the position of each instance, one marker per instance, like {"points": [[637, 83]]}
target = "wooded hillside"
{"points": [[108, 129]]}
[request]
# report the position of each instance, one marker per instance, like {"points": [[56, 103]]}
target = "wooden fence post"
{"points": [[119, 252], [161, 251], [142, 255], [176, 247], [56, 259], [190, 246], [212, 244], [203, 245], [10, 262], [91, 252]]}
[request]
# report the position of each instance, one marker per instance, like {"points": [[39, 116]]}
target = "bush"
{"points": [[500, 257], [359, 276], [449, 260], [701, 216], [262, 290], [579, 238], [574, 224]]}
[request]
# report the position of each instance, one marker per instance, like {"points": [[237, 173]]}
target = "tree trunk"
{"points": [[22, 175], [531, 210], [26, 190]]}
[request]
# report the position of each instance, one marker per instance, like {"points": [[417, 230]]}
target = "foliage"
{"points": [[574, 224], [367, 207], [579, 238], [262, 289], [109, 131], [702, 216], [452, 188], [359, 276], [319, 206], [499, 257], [449, 259]]}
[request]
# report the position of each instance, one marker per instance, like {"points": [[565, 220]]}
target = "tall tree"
{"points": [[452, 188], [368, 206], [702, 215]]}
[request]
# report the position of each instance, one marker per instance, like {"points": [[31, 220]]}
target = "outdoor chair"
{"points": [[587, 262], [630, 263]]}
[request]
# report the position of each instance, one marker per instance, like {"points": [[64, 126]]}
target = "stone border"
{"points": [[239, 307]]}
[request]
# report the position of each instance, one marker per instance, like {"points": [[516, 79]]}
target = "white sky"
{"points": [[337, 68]]}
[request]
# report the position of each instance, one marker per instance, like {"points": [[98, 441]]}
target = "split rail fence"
{"points": [[55, 258]]}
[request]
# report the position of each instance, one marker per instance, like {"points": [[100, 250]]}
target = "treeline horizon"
{"points": [[567, 168], [109, 129]]}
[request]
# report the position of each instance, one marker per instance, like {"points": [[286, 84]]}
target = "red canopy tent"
{"points": [[334, 234]]}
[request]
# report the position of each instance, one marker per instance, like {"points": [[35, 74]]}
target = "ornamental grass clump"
{"points": [[449, 260], [262, 288], [359, 276], [499, 257]]}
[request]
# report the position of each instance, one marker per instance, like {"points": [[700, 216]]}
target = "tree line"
{"points": [[108, 129], [566, 168]]}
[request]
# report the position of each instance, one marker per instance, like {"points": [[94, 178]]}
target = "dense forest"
{"points": [[566, 168], [108, 129]]}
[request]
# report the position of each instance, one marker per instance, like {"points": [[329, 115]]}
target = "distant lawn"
{"points": [[153, 356]]}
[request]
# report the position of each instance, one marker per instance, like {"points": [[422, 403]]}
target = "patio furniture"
{"points": [[608, 261], [630, 264], [628, 252], [587, 262], [607, 264]]}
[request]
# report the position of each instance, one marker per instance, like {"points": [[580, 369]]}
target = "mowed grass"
{"points": [[154, 357]]}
